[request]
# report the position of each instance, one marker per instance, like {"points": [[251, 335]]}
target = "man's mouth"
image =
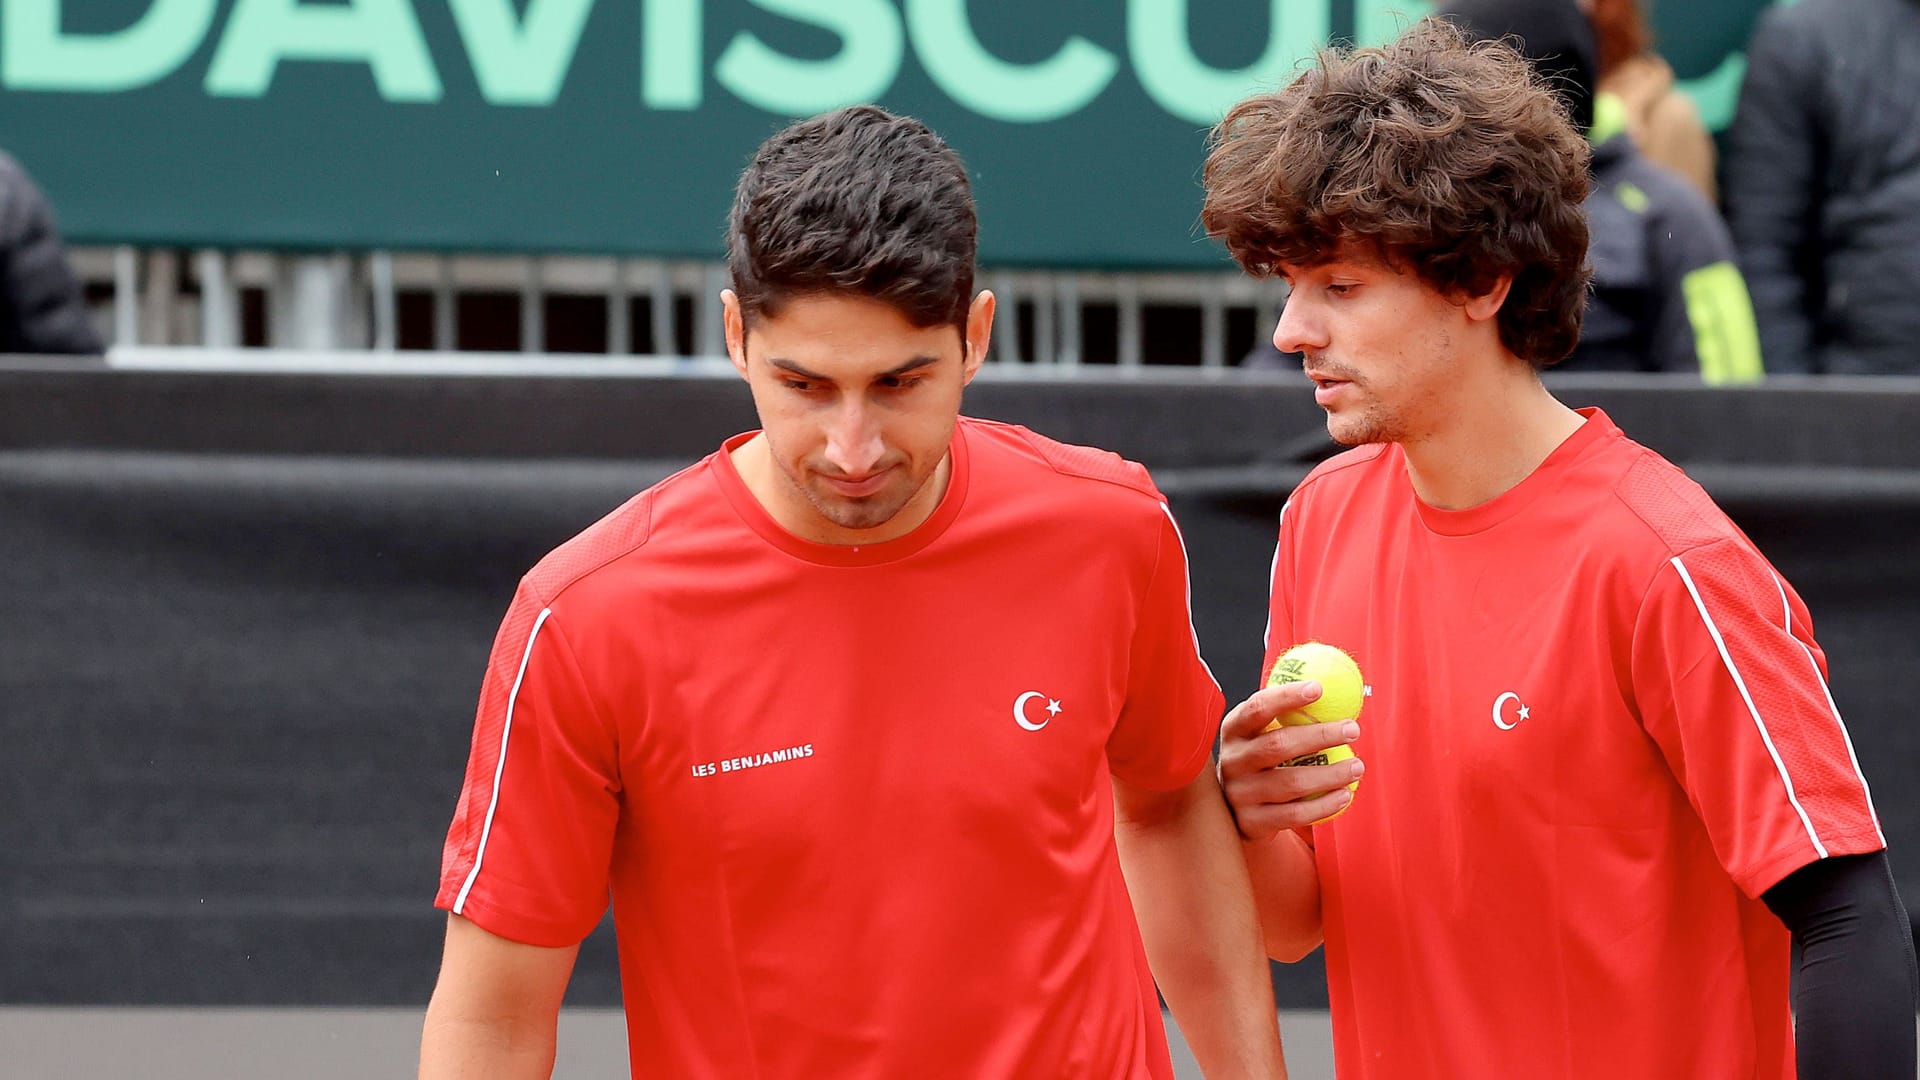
{"points": [[852, 487]]}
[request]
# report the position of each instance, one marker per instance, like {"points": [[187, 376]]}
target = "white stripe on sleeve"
{"points": [[500, 767], [1752, 710], [1853, 759]]}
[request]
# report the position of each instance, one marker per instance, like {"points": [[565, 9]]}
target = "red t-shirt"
{"points": [[1597, 729], [851, 803]]}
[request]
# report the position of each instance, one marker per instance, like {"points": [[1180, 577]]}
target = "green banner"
{"points": [[618, 126]]}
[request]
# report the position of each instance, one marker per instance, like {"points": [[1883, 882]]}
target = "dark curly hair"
{"points": [[857, 200], [1445, 156]]}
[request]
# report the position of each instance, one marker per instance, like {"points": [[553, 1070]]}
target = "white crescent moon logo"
{"points": [[1020, 710], [1498, 720]]}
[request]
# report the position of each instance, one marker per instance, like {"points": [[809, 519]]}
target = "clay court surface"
{"points": [[325, 1044], [312, 1044]]}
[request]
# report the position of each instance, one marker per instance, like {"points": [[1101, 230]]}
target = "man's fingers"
{"points": [[1268, 799], [1260, 822], [1264, 750], [1266, 794], [1248, 717], [1294, 783]]}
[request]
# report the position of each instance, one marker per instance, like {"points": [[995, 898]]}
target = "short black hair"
{"points": [[857, 200]]}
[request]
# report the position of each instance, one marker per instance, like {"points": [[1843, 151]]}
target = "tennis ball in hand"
{"points": [[1342, 692]]}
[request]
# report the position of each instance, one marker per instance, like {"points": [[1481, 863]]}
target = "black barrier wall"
{"points": [[245, 619]]}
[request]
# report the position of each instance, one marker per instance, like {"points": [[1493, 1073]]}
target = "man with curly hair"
{"points": [[1612, 823]]}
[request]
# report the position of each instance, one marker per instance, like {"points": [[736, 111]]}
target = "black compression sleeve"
{"points": [[1855, 989]]}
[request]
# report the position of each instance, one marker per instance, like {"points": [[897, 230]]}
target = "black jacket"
{"points": [[1822, 185], [1666, 294], [42, 309]]}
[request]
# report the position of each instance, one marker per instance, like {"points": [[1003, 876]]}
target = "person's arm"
{"points": [[1771, 187], [1855, 990], [1191, 895], [525, 872], [1175, 841], [1731, 685], [1270, 803], [495, 1009]]}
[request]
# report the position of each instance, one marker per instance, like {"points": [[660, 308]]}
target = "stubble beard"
{"points": [[1365, 422], [865, 512], [1371, 425], [1358, 424]]}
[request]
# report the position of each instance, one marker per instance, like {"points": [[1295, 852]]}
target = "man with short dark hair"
{"points": [[1610, 808], [859, 720]]}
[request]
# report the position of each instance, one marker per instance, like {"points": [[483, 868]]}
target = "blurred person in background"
{"points": [[858, 722], [1667, 292], [42, 307], [1822, 185], [1664, 122]]}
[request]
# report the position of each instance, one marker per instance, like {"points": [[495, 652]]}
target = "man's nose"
{"points": [[1300, 328], [854, 445]]}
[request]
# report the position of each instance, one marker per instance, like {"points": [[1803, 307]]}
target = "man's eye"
{"points": [[797, 385], [1341, 290], [900, 384]]}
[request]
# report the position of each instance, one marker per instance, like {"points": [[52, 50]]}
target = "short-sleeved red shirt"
{"points": [[1597, 728], [851, 804]]}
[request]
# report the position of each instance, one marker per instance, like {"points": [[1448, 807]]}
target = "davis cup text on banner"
{"points": [[521, 54], [617, 126]]}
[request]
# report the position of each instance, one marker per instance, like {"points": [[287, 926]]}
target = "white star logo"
{"points": [[1053, 707]]}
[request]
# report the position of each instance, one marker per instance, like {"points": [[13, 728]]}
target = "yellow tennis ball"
{"points": [[1342, 693]]}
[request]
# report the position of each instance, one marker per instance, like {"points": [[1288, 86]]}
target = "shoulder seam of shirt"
{"points": [[1662, 570], [1673, 546], [1346, 459], [642, 505], [1141, 483]]}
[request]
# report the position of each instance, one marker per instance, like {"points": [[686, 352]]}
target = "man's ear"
{"points": [[1487, 305], [735, 322], [979, 335]]}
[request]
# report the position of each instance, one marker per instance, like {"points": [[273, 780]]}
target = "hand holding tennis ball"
{"points": [[1342, 693], [1313, 729]]}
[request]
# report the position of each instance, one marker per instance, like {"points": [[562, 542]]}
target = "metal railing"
{"points": [[385, 301]]}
